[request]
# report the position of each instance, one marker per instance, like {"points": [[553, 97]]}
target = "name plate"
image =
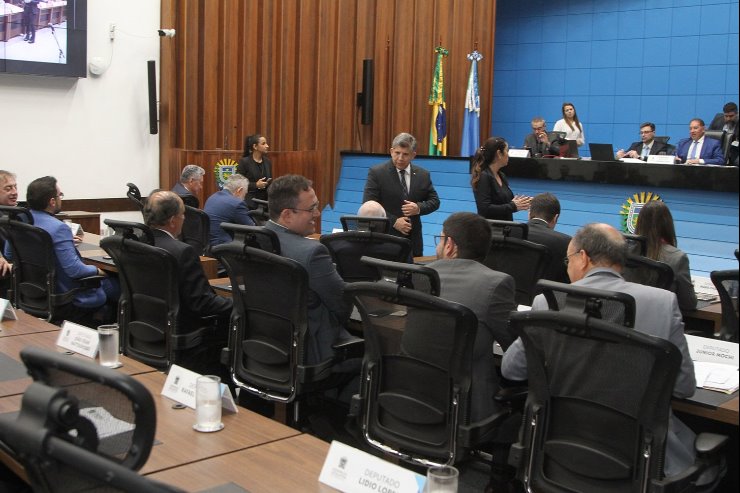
{"points": [[518, 152], [712, 350], [180, 387], [7, 312], [78, 338], [658, 159], [354, 471]]}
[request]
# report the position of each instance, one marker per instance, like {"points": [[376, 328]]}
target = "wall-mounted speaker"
{"points": [[152, 77], [365, 98]]}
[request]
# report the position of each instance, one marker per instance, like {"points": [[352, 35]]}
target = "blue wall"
{"points": [[621, 62], [706, 222]]}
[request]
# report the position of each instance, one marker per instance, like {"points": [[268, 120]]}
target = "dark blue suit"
{"points": [[223, 207], [711, 151]]}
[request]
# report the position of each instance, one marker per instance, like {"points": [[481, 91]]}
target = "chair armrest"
{"points": [[349, 347], [709, 443], [90, 281], [511, 395]]}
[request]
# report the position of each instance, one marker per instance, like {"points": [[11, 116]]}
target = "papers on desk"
{"points": [[704, 288], [715, 363], [631, 160]]}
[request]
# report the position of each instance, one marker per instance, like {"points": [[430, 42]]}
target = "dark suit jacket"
{"points": [[718, 122], [223, 207], [537, 148], [327, 309], [197, 298], [557, 243], [384, 186], [254, 171], [711, 151], [655, 149], [187, 197], [494, 201]]}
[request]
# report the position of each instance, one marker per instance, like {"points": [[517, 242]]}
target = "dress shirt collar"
{"points": [[166, 232]]}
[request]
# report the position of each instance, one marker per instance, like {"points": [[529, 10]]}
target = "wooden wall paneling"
{"points": [[346, 116], [212, 34], [167, 88], [428, 34], [384, 47], [324, 131], [230, 38]]}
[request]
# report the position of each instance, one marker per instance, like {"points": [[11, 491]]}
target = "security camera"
{"points": [[170, 33]]}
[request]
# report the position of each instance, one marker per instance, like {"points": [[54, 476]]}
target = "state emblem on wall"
{"points": [[631, 209], [223, 169]]}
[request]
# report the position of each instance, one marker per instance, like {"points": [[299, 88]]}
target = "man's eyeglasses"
{"points": [[566, 260], [439, 239], [312, 209], [60, 195], [646, 132]]}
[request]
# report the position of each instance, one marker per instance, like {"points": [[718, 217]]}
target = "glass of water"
{"points": [[208, 403], [108, 345], [442, 479]]}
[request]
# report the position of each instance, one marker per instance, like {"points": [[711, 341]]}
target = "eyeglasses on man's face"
{"points": [[313, 209], [566, 259], [439, 239]]}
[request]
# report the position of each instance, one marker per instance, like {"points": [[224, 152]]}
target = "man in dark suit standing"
{"points": [[698, 149], [544, 212], [294, 209], [646, 146], [404, 190]]}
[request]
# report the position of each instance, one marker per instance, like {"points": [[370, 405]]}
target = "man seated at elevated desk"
{"points": [[699, 149], [538, 142], [596, 257], [646, 146]]}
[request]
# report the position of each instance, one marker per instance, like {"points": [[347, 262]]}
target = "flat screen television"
{"points": [[44, 38]]}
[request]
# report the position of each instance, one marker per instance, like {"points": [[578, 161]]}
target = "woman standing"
{"points": [[493, 197], [570, 124], [655, 223], [256, 167]]}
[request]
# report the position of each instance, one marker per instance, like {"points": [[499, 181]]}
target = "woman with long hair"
{"points": [[655, 223], [570, 124], [256, 167], [493, 197]]}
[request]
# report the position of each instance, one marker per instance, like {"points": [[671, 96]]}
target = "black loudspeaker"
{"points": [[152, 75], [365, 98]]}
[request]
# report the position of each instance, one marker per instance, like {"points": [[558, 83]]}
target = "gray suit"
{"points": [[657, 315], [682, 286], [327, 310], [490, 295]]}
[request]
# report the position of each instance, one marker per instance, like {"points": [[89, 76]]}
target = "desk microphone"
{"points": [[52, 27]]}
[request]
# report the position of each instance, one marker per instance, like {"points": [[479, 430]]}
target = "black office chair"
{"points": [[649, 272], [81, 427], [365, 223], [131, 230], [662, 138], [612, 306], [195, 230], [152, 328], [523, 260], [509, 229], [254, 236], [414, 276], [35, 275], [636, 244], [598, 407], [414, 400], [269, 335], [134, 194], [347, 247], [16, 213], [717, 135], [190, 201], [727, 283], [259, 211]]}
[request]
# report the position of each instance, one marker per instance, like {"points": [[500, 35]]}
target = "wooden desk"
{"points": [[727, 412], [96, 257], [181, 444], [292, 464], [11, 346], [712, 313], [90, 221], [26, 324]]}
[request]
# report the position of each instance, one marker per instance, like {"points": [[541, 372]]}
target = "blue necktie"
{"points": [[692, 151]]}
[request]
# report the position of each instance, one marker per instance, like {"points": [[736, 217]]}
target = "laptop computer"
{"points": [[602, 152]]}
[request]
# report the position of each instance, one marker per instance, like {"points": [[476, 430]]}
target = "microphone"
{"points": [[52, 27]]}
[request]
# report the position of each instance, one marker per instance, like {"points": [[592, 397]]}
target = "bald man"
{"points": [[595, 258]]}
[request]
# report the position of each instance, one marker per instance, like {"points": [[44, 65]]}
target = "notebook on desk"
{"points": [[602, 152]]}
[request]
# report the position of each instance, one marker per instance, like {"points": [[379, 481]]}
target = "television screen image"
{"points": [[44, 38]]}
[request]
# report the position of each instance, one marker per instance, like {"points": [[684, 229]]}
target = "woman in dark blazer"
{"points": [[493, 197], [655, 222], [256, 167]]}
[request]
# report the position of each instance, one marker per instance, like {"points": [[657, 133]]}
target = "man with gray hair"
{"points": [[190, 185], [595, 259], [405, 191], [8, 197], [371, 209], [227, 206]]}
